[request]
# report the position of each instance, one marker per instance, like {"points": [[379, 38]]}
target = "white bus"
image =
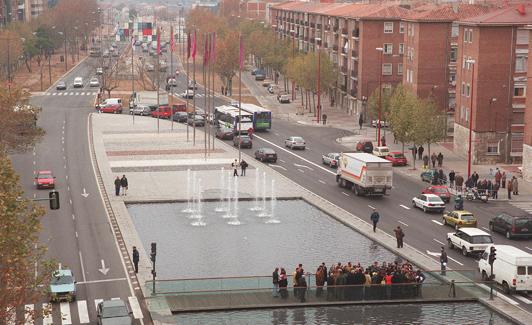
{"points": [[228, 117], [262, 117]]}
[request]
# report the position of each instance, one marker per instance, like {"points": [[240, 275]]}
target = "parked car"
{"points": [[512, 226], [254, 71], [397, 158], [99, 71], [364, 146], [271, 89], [234, 103], [197, 119], [180, 117], [224, 133], [331, 159], [163, 111], [138, 43], [172, 82], [62, 286], [189, 93], [440, 190], [44, 179], [295, 142], [142, 110], [283, 98], [114, 311], [111, 108], [78, 82], [94, 82], [428, 202], [61, 85], [469, 240], [459, 219], [192, 85], [106, 54], [430, 174], [244, 140], [381, 151], [115, 54], [260, 75], [383, 124], [266, 154]]}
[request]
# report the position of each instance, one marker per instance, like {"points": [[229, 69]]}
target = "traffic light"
{"points": [[54, 200], [153, 251], [492, 256]]}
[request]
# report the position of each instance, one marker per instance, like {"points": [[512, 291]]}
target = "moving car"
{"points": [[512, 268], [469, 240], [180, 117], [260, 75], [244, 140], [254, 71], [197, 120], [381, 151], [189, 93], [114, 312], [150, 67], [440, 190], [397, 158], [78, 82], [45, 179], [331, 159], [459, 219], [295, 142], [283, 98], [224, 133], [172, 82], [94, 82], [266, 154], [512, 226], [192, 85], [61, 85], [105, 54], [364, 146], [99, 71], [383, 124], [111, 108], [142, 110], [62, 286], [428, 202]]}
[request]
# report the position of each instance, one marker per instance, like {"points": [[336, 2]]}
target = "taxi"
{"points": [[459, 219]]}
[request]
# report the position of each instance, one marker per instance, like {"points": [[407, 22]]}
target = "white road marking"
{"points": [[439, 242], [282, 161], [319, 180], [277, 166], [346, 194], [96, 302], [404, 206], [277, 134], [100, 281], [47, 314], [53, 94], [76, 234], [301, 170], [135, 307], [82, 94], [73, 217], [452, 259], [523, 299], [487, 229], [303, 166], [402, 223], [70, 200], [28, 310], [371, 207], [82, 267], [83, 312], [65, 313], [293, 154], [437, 222]]}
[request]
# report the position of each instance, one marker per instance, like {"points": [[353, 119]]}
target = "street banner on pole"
{"points": [[172, 44]]}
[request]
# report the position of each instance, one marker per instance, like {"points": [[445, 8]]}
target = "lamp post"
{"points": [[317, 39], [380, 49], [472, 62], [293, 32], [493, 100]]}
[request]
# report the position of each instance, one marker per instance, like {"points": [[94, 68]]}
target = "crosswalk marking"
{"points": [[47, 314], [88, 93], [71, 94], [82, 94], [135, 307], [65, 313], [53, 94], [76, 93], [97, 302], [526, 206], [83, 312], [28, 311]]}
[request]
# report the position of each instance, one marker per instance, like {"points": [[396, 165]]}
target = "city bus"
{"points": [[227, 117], [262, 117]]}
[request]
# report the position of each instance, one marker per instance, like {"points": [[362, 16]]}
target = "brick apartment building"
{"points": [[527, 141], [492, 78]]}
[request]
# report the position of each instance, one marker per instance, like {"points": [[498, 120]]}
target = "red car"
{"points": [[167, 111], [111, 108], [397, 158], [45, 179], [440, 190]]}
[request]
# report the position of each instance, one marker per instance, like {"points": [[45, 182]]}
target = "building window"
{"points": [[519, 91], [462, 113], [454, 54], [522, 36], [411, 73], [468, 90], [455, 31], [401, 27], [388, 27], [466, 114], [401, 48], [452, 78], [493, 148], [388, 48], [399, 69], [387, 69], [521, 62], [462, 90]]}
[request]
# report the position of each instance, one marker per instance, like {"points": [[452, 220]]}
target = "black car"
{"points": [[266, 154], [198, 120], [224, 133], [512, 226], [260, 75], [61, 85], [180, 117], [244, 140]]}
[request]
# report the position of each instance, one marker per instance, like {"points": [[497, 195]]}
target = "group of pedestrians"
{"points": [[491, 187], [243, 166], [121, 185], [434, 158]]}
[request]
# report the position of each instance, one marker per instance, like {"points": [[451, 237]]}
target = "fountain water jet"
{"points": [[199, 208], [264, 213], [235, 221], [272, 205], [257, 207], [189, 208], [223, 193]]}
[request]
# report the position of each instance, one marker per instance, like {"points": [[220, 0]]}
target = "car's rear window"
{"points": [[440, 190], [297, 138], [521, 270], [434, 199], [523, 222], [481, 239], [468, 217], [44, 176], [269, 151]]}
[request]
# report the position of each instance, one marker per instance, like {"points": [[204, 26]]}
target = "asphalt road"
{"points": [[78, 235]]}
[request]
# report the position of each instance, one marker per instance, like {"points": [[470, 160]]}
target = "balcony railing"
{"points": [[355, 33], [344, 50], [344, 31]]}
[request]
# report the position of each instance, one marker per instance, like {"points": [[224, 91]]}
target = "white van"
{"points": [[110, 101], [512, 268]]}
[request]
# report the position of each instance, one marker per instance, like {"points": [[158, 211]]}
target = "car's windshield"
{"points": [[244, 137], [297, 139], [62, 279], [268, 151], [110, 312], [482, 239], [468, 217], [45, 176]]}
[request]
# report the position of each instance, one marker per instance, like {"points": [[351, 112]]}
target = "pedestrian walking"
{"points": [[414, 152], [498, 176], [515, 185], [510, 188], [302, 286], [324, 118], [495, 193], [275, 280], [399, 235], [503, 180], [375, 219], [425, 161], [243, 166], [136, 259], [433, 160], [443, 261], [360, 121], [475, 178], [124, 184], [459, 182], [283, 284], [235, 167], [383, 141], [452, 175], [117, 186], [440, 159], [420, 152]]}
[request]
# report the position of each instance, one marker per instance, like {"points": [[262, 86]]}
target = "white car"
{"points": [[172, 82], [381, 151], [428, 202], [94, 82], [374, 123], [150, 67], [295, 142], [99, 71], [78, 82], [469, 240], [189, 93], [283, 98], [331, 159], [192, 85]]}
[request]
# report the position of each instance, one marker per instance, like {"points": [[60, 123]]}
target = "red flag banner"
{"points": [[188, 45], [241, 57], [205, 49], [193, 50], [158, 41], [172, 44], [213, 47]]}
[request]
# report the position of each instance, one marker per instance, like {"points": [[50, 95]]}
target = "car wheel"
{"points": [[425, 209], [445, 221], [414, 204], [508, 234], [464, 251], [450, 244], [323, 161], [505, 287], [484, 276]]}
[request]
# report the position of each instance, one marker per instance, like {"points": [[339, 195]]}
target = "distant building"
{"points": [[527, 140], [33, 8]]}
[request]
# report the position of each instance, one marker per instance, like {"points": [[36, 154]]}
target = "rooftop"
{"points": [[447, 13], [515, 15]]}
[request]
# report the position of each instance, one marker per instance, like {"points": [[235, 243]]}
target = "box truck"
{"points": [[364, 173]]}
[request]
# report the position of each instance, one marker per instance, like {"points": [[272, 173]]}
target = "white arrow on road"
{"points": [[277, 166], [84, 194], [433, 253], [104, 269], [303, 166]]}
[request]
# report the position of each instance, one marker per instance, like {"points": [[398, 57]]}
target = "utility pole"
{"points": [[379, 122], [319, 90], [472, 62], [8, 66]]}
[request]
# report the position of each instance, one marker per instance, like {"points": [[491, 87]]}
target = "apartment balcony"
{"points": [[312, 40], [343, 69], [318, 26], [306, 23], [355, 33], [353, 92], [343, 88], [354, 74], [325, 45], [335, 48], [318, 42], [344, 50], [335, 29], [306, 38], [344, 31], [354, 54], [327, 27], [312, 25]]}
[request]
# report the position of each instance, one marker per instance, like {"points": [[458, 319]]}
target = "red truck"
{"points": [[167, 111]]}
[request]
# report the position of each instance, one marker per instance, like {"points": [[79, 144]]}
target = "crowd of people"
{"points": [[353, 281]]}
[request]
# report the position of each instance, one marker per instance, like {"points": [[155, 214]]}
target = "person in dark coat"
{"points": [[136, 259], [399, 235], [375, 219], [414, 152], [440, 159], [441, 177], [420, 152], [452, 175], [503, 180], [433, 160], [117, 186], [275, 281], [475, 177], [302, 287], [510, 188], [495, 192], [425, 161], [443, 261], [234, 165], [124, 184], [360, 121], [320, 280], [243, 166], [283, 284], [459, 181]]}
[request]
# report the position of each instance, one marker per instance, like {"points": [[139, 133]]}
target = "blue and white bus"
{"points": [[262, 117], [228, 117]]}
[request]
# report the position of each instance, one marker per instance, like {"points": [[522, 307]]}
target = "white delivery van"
{"points": [[512, 268], [364, 173]]}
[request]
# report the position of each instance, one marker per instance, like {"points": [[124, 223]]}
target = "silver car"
{"points": [[94, 82], [295, 143], [331, 159], [140, 110]]}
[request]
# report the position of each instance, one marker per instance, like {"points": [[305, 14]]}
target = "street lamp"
{"points": [[317, 39], [293, 32], [380, 49], [493, 100], [472, 62]]}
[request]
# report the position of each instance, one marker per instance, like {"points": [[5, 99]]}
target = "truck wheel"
{"points": [[508, 234], [356, 190], [450, 244], [505, 287], [484, 276], [464, 251]]}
